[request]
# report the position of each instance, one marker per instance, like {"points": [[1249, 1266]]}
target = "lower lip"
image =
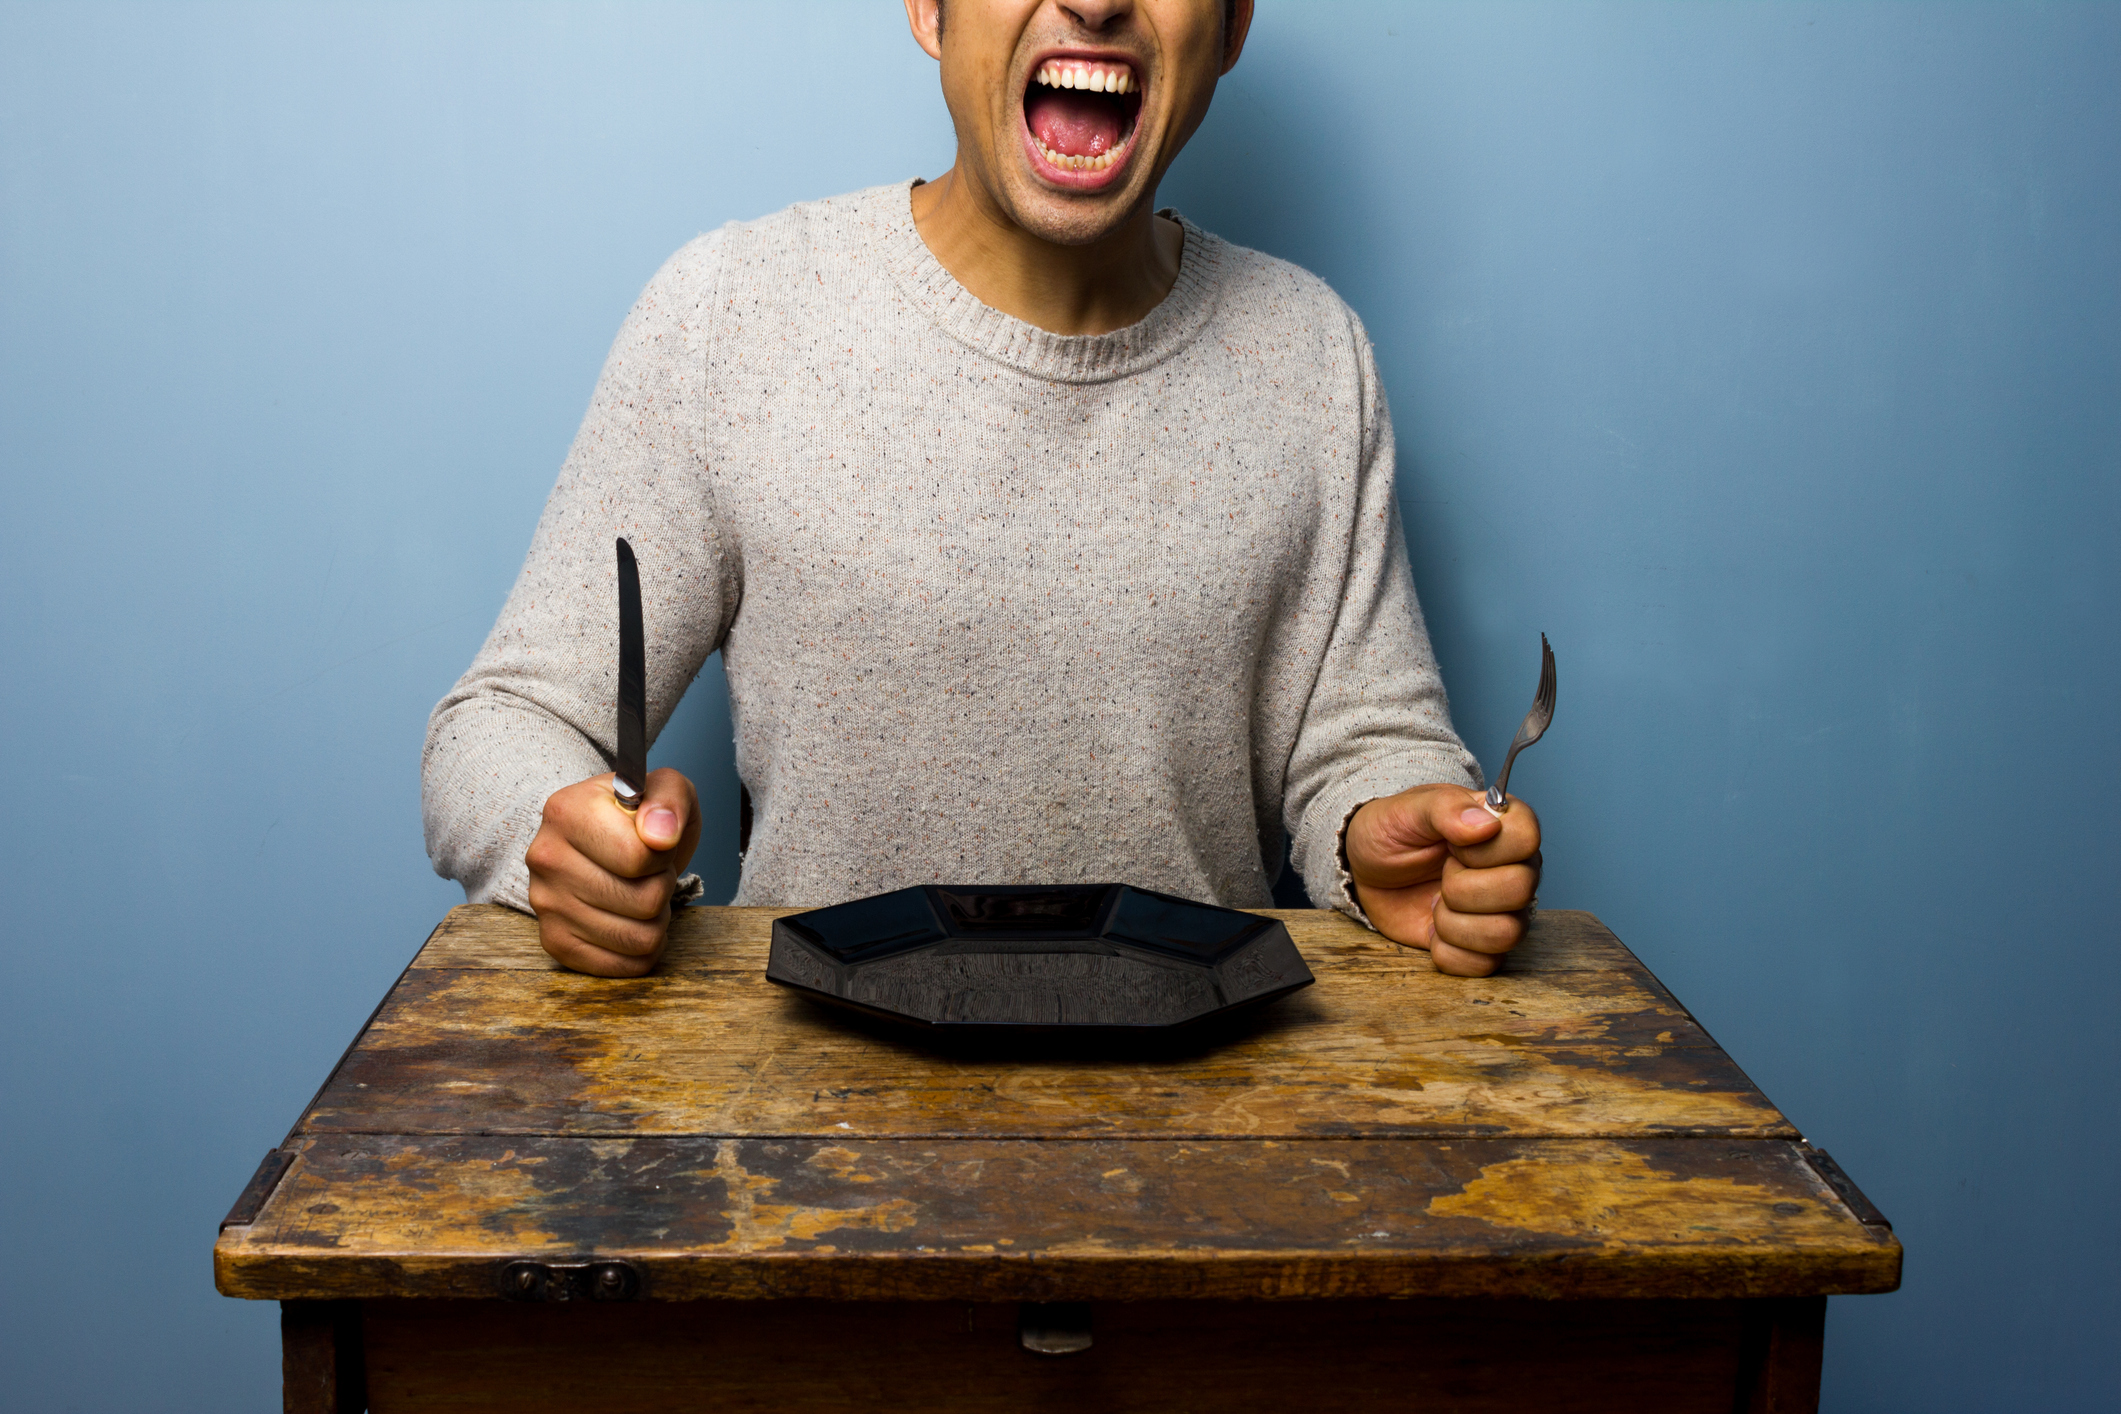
{"points": [[1080, 181]]}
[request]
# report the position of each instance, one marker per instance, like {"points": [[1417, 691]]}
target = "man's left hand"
{"points": [[1435, 870]]}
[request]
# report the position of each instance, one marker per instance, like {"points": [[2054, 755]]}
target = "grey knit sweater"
{"points": [[996, 605]]}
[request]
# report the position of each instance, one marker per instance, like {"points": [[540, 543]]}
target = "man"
{"points": [[1045, 538]]}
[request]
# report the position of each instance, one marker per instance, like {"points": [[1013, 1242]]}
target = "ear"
{"points": [[1234, 31], [925, 19]]}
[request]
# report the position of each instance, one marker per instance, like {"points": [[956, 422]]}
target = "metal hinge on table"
{"points": [[1831, 1174], [251, 1201], [570, 1281]]}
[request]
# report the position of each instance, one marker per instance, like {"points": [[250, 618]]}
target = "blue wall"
{"points": [[1767, 357]]}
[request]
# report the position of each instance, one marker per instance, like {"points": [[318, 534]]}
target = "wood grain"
{"points": [[1468, 1357], [1578, 1040], [375, 1215]]}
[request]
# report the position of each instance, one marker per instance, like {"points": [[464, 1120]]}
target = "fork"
{"points": [[1534, 727]]}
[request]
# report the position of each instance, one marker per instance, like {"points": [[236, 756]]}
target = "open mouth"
{"points": [[1079, 114]]}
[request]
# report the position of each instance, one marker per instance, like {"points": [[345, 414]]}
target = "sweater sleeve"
{"points": [[1377, 722], [537, 709]]}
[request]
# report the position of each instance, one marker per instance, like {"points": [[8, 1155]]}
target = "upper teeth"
{"points": [[1098, 78]]}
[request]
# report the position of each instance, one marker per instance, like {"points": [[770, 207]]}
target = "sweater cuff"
{"points": [[1343, 880]]}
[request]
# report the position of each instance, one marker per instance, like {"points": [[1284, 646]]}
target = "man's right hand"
{"points": [[601, 878]]}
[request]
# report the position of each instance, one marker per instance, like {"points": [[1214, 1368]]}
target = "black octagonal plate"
{"points": [[1058, 956]]}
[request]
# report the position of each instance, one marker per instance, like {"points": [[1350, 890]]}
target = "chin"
{"points": [[1061, 219]]}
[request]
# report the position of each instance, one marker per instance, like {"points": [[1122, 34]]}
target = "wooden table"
{"points": [[524, 1189]]}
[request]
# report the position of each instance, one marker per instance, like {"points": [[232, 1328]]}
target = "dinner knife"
{"points": [[629, 776]]}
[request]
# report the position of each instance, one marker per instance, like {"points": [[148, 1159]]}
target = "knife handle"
{"points": [[629, 799]]}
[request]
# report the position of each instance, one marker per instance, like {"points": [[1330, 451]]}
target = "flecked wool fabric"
{"points": [[996, 605]]}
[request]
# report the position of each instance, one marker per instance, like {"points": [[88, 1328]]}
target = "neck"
{"points": [[1107, 284]]}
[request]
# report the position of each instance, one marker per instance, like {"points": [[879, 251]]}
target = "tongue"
{"points": [[1072, 123]]}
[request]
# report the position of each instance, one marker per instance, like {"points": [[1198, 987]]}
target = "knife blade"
{"points": [[629, 779]]}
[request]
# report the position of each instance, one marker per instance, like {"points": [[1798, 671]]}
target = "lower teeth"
{"points": [[1068, 163]]}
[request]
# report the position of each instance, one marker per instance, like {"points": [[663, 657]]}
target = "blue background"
{"points": [[1768, 357]]}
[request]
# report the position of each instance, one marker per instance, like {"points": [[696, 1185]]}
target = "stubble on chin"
{"points": [[1061, 218]]}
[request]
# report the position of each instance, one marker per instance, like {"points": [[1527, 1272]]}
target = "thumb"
{"points": [[1460, 817], [664, 811], [1402, 839]]}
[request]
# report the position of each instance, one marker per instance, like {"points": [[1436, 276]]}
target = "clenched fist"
{"points": [[601, 879], [1435, 870]]}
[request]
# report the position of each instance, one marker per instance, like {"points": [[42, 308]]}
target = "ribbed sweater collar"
{"points": [[1062, 358]]}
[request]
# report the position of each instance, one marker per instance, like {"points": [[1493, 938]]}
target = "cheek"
{"points": [[1195, 47], [974, 83], [1186, 105]]}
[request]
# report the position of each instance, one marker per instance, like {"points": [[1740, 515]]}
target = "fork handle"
{"points": [[1497, 800]]}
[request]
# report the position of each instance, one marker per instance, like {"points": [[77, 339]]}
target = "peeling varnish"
{"points": [[1612, 1195], [842, 1163], [758, 1225], [499, 1197]]}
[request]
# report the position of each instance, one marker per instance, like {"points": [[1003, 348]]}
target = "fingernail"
{"points": [[661, 822], [1474, 815]]}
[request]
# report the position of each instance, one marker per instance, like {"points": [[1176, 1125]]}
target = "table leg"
{"points": [[323, 1369], [1783, 1344]]}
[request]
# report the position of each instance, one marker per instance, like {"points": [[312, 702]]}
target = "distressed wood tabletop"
{"points": [[1562, 1129]]}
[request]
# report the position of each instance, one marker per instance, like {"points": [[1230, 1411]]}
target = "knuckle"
{"points": [[1460, 963], [562, 943], [636, 939], [622, 854], [1485, 933], [642, 899], [600, 962]]}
